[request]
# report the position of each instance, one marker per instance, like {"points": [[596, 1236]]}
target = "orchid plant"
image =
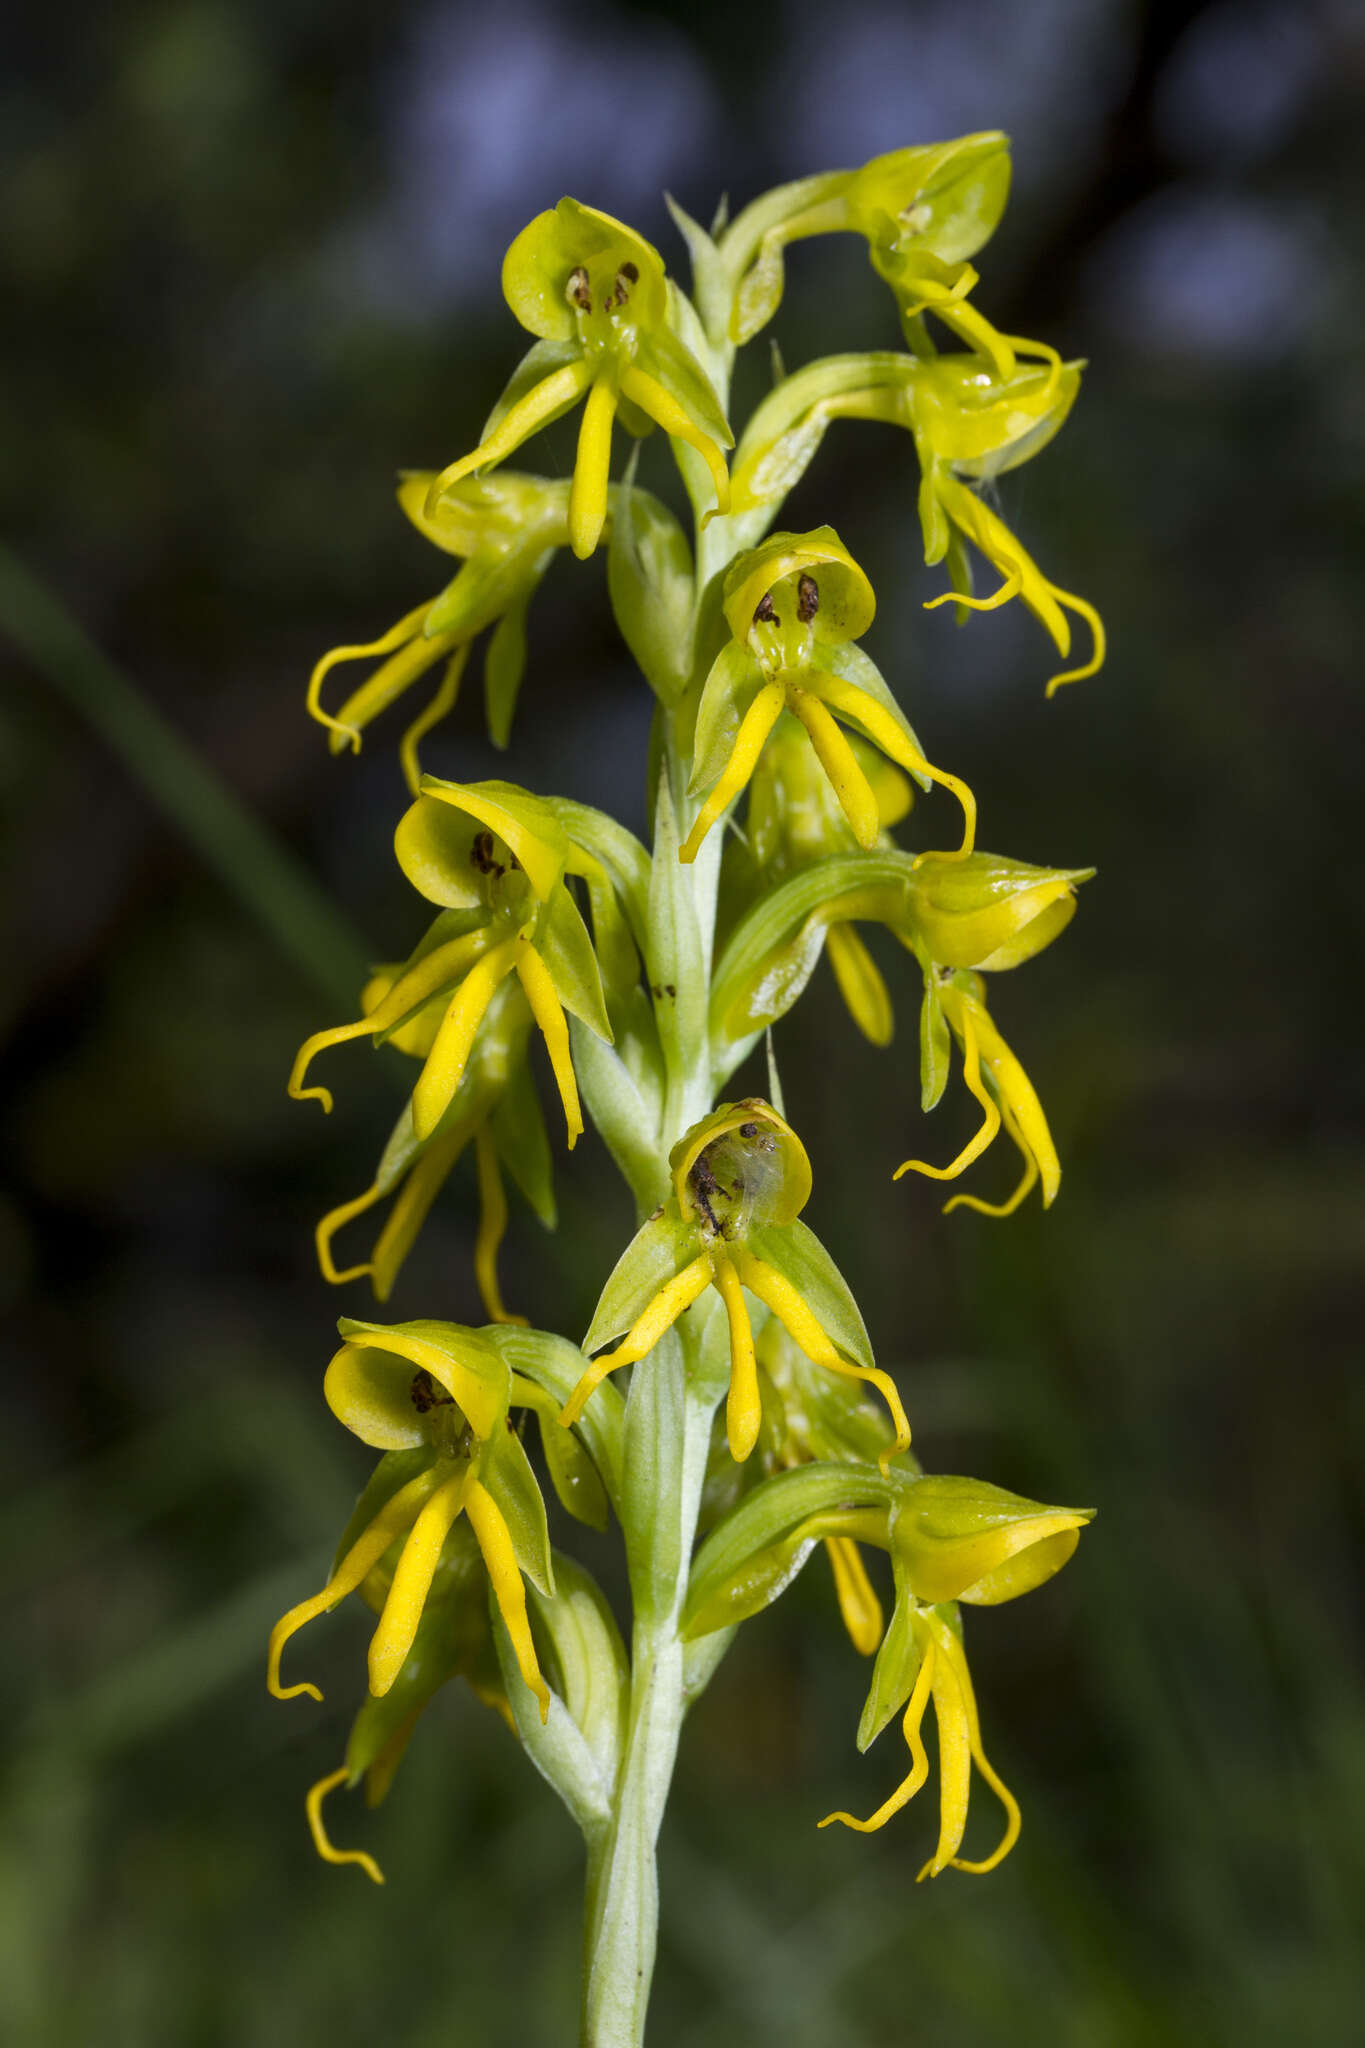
{"points": [[725, 1409]]}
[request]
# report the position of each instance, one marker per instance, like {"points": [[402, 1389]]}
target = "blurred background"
{"points": [[251, 256]]}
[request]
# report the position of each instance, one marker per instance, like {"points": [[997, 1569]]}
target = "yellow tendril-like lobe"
{"points": [[861, 985], [971, 1074], [744, 1404], [335, 1220], [416, 1568], [397, 636], [495, 1544], [647, 392], [492, 1228], [542, 404], [1026, 1183], [455, 1035], [393, 1518], [548, 1012], [644, 1333], [1087, 611], [959, 1747], [443, 701], [407, 994], [858, 1602], [757, 722], [592, 468], [1010, 588], [321, 1840], [914, 1742], [776, 1292]]}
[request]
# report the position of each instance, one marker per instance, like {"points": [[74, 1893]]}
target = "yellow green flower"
{"points": [[955, 1000], [496, 859], [453, 1640], [970, 424], [983, 912], [953, 1540], [740, 1181], [795, 606], [922, 212], [506, 529], [435, 1397], [495, 1108], [596, 295]]}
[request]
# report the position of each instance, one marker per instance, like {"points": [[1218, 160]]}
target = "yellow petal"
{"points": [[744, 1405], [486, 1520], [668, 1304], [548, 1012], [454, 1041], [860, 984], [395, 1516], [858, 1602], [910, 1727], [545, 401], [492, 1227], [592, 469], [777, 1293], [412, 1579], [757, 722], [651, 397]]}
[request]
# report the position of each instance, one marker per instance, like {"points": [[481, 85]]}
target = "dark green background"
{"points": [[251, 256]]}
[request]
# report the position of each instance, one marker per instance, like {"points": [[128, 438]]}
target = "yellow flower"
{"points": [[740, 1180], [507, 529], [453, 1640], [795, 606], [922, 211], [497, 858], [495, 1108], [596, 295], [943, 1677], [971, 423], [998, 1082], [439, 1394], [953, 1540]]}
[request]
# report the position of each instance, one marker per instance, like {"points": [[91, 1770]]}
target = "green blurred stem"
{"points": [[257, 868]]}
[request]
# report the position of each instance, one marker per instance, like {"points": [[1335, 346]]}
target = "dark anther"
{"points": [[481, 853], [629, 272], [626, 276], [580, 292], [748, 1130], [426, 1394], [704, 1185], [807, 599], [763, 610], [670, 990]]}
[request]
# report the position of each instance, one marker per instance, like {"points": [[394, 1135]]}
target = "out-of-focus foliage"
{"points": [[240, 243]]}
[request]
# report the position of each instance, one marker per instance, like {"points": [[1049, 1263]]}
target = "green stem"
{"points": [[257, 868], [669, 1413]]}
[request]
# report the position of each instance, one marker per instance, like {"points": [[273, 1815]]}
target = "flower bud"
{"points": [[989, 912], [963, 1539]]}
